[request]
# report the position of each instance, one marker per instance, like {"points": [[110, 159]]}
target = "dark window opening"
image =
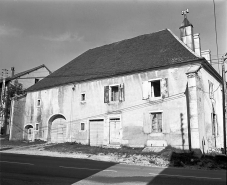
{"points": [[38, 102], [114, 93], [36, 80], [156, 88], [82, 126], [114, 119], [82, 97]]}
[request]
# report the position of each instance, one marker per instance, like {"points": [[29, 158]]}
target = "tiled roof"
{"points": [[141, 53], [24, 73]]}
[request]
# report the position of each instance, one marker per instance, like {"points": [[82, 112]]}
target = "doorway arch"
{"points": [[57, 128]]}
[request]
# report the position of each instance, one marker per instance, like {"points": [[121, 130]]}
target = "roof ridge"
{"points": [[177, 38], [116, 42]]}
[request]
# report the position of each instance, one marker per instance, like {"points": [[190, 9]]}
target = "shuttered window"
{"points": [[152, 122], [114, 93], [155, 89]]}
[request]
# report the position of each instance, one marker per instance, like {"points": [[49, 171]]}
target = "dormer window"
{"points": [[36, 80]]}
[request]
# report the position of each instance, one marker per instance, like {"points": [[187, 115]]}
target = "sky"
{"points": [[53, 33]]}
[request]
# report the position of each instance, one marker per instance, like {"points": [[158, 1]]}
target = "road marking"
{"points": [[110, 171], [183, 176], [16, 162], [86, 168]]}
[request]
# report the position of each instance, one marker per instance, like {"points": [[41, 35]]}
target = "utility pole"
{"points": [[224, 101]]}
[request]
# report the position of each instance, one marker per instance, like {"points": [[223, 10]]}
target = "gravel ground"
{"points": [[164, 159]]}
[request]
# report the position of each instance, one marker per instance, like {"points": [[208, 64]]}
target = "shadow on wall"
{"points": [[182, 130]]}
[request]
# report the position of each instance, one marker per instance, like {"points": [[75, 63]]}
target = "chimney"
{"points": [[197, 44], [186, 32], [207, 55], [12, 71]]}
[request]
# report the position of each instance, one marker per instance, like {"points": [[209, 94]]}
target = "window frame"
{"points": [[108, 98], [151, 93], [157, 133], [110, 92], [82, 97], [37, 124], [81, 127], [38, 102], [37, 80]]}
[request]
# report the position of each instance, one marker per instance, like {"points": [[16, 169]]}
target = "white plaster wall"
{"points": [[205, 114], [66, 101]]}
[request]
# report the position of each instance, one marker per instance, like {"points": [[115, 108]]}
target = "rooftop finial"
{"points": [[185, 13]]}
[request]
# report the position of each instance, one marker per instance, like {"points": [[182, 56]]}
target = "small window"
{"points": [[38, 103], [156, 122], [83, 97], [114, 93], [82, 126], [36, 80], [37, 126], [211, 90]]}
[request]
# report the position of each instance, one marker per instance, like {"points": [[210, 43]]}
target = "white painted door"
{"points": [[114, 132], [58, 131], [96, 132]]}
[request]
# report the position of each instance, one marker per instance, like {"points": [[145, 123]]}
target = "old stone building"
{"points": [[152, 90]]}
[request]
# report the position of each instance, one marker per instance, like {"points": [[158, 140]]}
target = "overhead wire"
{"points": [[216, 34]]}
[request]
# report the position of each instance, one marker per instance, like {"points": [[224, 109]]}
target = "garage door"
{"points": [[58, 131], [96, 132]]}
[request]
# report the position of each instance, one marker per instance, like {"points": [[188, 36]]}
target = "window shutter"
{"points": [[145, 86], [106, 94], [146, 123], [211, 90], [164, 88], [122, 92], [159, 122]]}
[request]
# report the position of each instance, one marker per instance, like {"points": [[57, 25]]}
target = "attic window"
{"points": [[36, 80]]}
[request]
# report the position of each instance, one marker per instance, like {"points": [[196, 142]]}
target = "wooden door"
{"points": [[114, 132]]}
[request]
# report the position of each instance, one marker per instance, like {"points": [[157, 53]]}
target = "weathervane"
{"points": [[185, 13]]}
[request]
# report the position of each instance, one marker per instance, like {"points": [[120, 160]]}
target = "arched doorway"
{"points": [[28, 135], [57, 129]]}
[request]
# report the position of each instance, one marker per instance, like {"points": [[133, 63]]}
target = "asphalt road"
{"points": [[17, 169]]}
